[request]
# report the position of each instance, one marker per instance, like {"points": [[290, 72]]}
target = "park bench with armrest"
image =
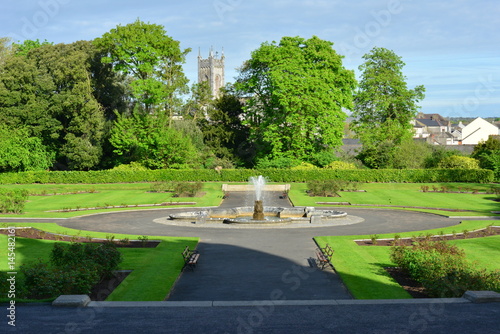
{"points": [[190, 258], [324, 256]]}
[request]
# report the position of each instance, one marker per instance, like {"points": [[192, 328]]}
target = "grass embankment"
{"points": [[362, 267], [155, 270], [409, 195], [73, 197]]}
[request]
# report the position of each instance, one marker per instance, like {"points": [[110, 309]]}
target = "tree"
{"points": [[144, 139], [297, 92], [458, 161], [488, 154], [383, 104], [152, 59], [49, 91], [223, 129], [5, 49], [19, 152], [23, 48]]}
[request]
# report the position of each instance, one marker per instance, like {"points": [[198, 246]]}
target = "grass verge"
{"points": [[155, 270], [362, 267], [409, 195]]}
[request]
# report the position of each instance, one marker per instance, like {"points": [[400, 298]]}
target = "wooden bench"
{"points": [[324, 256], [190, 258]]}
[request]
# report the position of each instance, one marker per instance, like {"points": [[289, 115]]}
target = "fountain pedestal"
{"points": [[258, 211]]}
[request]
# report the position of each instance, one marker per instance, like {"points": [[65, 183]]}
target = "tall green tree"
{"points": [[297, 92], [5, 49], [153, 61], [49, 91], [23, 48], [383, 104], [223, 129], [488, 154], [145, 139], [19, 152]]}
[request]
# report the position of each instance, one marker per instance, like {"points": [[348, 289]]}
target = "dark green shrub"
{"points": [[330, 188], [105, 257], [442, 269], [186, 189], [458, 280], [42, 281], [13, 201], [162, 187], [242, 175], [39, 280]]}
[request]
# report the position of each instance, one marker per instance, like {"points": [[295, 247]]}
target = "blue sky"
{"points": [[450, 47]]}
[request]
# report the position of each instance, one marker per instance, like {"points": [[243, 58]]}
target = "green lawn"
{"points": [[155, 270], [362, 267], [100, 195], [409, 195]]}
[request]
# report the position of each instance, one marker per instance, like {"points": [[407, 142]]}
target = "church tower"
{"points": [[212, 70]]}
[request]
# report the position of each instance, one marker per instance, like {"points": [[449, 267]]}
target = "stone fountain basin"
{"points": [[247, 211]]}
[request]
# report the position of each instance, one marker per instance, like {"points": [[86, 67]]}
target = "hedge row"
{"points": [[242, 175]]}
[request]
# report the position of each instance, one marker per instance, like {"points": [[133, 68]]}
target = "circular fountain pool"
{"points": [[272, 215]]}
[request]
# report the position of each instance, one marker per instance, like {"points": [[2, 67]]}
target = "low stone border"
{"points": [[72, 301], [469, 297], [482, 296]]}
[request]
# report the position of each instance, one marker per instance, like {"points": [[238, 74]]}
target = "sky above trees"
{"points": [[451, 47]]}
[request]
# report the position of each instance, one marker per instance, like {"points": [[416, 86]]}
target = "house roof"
{"points": [[427, 122]]}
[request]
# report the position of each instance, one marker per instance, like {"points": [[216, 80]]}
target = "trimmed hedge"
{"points": [[242, 175]]}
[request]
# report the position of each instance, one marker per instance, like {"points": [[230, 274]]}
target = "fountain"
{"points": [[260, 214], [258, 209]]}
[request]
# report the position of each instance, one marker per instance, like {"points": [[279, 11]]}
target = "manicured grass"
{"points": [[483, 251], [409, 194], [362, 267], [155, 270], [100, 195]]}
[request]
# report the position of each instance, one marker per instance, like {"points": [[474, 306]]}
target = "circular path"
{"points": [[257, 263]]}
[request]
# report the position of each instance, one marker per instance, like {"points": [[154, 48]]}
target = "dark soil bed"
{"points": [[106, 286], [103, 289], [492, 230], [415, 289], [34, 233]]}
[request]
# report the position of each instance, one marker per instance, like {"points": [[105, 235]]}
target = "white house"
{"points": [[478, 130]]}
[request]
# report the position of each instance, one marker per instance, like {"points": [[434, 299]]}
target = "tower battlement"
{"points": [[211, 69]]}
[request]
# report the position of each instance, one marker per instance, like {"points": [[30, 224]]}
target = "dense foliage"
{"points": [[13, 200], [442, 269], [242, 175], [123, 99], [73, 269], [383, 107], [297, 91]]}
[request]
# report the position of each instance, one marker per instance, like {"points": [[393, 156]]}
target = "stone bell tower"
{"points": [[212, 70]]}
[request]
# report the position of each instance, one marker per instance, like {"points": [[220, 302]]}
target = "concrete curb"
{"points": [[482, 296], [255, 303], [72, 301]]}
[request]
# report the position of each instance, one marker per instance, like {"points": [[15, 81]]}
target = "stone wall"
{"points": [[249, 187]]}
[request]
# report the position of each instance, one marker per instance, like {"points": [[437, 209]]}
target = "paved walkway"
{"points": [[240, 268], [247, 264]]}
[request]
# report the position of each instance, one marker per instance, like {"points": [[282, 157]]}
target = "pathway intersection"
{"points": [[248, 264], [258, 280]]}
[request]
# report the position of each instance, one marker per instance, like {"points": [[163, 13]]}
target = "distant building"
{"points": [[211, 70], [478, 130], [437, 130]]}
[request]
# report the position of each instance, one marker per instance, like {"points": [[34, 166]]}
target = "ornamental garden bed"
{"points": [[485, 232], [33, 233]]}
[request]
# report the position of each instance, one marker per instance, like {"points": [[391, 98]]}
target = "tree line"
{"points": [[122, 99]]}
